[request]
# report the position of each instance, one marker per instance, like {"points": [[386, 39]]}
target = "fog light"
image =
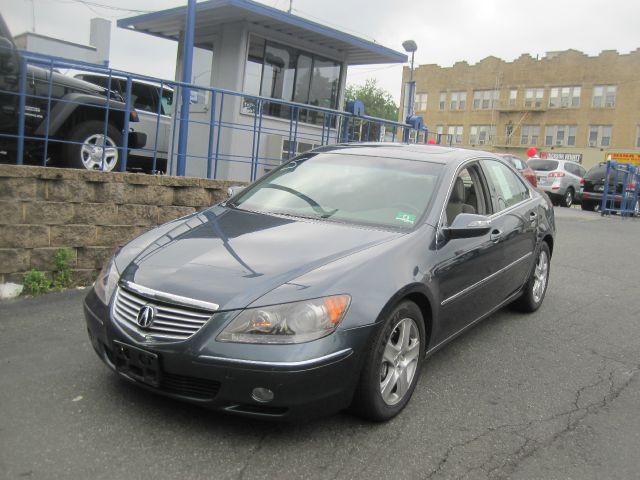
{"points": [[262, 395]]}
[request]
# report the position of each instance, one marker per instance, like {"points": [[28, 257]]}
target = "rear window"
{"points": [[543, 165]]}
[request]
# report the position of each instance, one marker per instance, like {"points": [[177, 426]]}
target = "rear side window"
{"points": [[543, 165], [506, 188], [571, 168]]}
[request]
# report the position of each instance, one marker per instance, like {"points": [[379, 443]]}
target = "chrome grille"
{"points": [[171, 321]]}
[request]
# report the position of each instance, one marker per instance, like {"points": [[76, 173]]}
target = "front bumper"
{"points": [[320, 381]]}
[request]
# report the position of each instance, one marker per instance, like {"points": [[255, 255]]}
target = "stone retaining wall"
{"points": [[92, 213]]}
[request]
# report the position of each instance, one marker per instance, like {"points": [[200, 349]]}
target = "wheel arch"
{"points": [[418, 294], [549, 241]]}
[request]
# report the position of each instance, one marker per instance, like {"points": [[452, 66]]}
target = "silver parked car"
{"points": [[148, 99], [560, 179]]}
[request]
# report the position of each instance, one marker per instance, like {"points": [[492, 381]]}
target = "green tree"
{"points": [[377, 101]]}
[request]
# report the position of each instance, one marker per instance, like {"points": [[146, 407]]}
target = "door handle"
{"points": [[496, 235]]}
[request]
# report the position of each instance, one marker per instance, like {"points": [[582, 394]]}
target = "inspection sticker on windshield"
{"points": [[406, 217]]}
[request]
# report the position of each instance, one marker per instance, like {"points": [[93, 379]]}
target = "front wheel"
{"points": [[91, 149], [392, 365], [536, 286]]}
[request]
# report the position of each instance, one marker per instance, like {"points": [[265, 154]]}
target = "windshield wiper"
{"points": [[314, 205]]}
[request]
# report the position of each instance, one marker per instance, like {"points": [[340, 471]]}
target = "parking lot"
{"points": [[550, 395]]}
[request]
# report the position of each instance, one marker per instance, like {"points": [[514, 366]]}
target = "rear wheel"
{"points": [[567, 200], [589, 206], [392, 365], [91, 149], [536, 287]]}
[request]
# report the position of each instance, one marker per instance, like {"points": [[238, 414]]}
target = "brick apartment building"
{"points": [[566, 104]]}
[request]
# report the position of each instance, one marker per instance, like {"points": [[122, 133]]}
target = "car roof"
{"points": [[119, 77], [403, 151]]}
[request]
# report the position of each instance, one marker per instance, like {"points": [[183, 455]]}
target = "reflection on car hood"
{"points": [[231, 257]]}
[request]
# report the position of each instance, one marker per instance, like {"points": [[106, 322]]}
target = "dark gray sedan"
{"points": [[325, 284]]}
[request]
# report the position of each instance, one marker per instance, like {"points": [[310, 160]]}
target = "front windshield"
{"points": [[349, 188]]}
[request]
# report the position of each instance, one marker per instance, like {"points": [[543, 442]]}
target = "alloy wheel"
{"points": [[541, 273], [97, 148], [399, 361]]}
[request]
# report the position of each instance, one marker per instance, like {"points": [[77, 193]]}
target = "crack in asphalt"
{"points": [[252, 454], [574, 415]]}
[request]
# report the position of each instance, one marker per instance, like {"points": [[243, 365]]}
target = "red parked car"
{"points": [[522, 167]]}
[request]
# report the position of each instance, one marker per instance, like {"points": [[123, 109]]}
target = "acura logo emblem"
{"points": [[146, 316]]}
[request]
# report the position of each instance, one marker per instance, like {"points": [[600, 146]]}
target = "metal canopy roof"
{"points": [[212, 14]]}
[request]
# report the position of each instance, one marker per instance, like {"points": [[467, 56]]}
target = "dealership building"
{"points": [[567, 104]]}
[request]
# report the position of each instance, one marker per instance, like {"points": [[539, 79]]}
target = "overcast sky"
{"points": [[445, 32]]}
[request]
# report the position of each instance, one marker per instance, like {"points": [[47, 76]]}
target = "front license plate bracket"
{"points": [[137, 363]]}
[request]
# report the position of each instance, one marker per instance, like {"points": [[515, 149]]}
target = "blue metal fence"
{"points": [[229, 128], [621, 189]]}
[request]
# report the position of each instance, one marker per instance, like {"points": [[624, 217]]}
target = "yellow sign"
{"points": [[624, 157]]}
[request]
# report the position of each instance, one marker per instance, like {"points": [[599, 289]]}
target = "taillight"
{"points": [[582, 182], [555, 175]]}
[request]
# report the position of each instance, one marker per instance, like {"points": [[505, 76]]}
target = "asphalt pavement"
{"points": [[551, 395]]}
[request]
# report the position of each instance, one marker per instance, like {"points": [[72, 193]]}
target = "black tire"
{"points": [[530, 300], [368, 401], [588, 206], [567, 199], [89, 136]]}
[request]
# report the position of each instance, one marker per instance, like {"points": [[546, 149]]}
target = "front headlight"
{"points": [[106, 282], [287, 323]]}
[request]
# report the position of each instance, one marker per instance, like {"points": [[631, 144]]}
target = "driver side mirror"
{"points": [[467, 225]]}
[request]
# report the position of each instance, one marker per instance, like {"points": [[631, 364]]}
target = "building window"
{"points": [[285, 73], [513, 97], [296, 148], [485, 99], [420, 104], [560, 135], [604, 96], [458, 101], [529, 134], [443, 101], [599, 135], [455, 134], [533, 97], [482, 134], [564, 97]]}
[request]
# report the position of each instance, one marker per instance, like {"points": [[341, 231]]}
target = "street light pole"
{"points": [[410, 47]]}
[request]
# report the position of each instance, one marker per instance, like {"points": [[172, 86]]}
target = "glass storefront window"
{"points": [[285, 73]]}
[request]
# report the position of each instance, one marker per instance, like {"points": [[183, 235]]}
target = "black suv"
{"points": [[75, 125], [593, 189]]}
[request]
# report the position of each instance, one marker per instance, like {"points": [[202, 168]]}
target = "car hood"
{"points": [[232, 257]]}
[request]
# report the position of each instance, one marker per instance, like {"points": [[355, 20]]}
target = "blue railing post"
{"points": [[105, 131], [46, 126], [158, 113], [127, 113], [22, 90], [187, 61], [253, 141], [212, 123], [255, 171], [215, 165], [177, 94]]}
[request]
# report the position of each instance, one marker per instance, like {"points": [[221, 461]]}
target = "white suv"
{"points": [[560, 179]]}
